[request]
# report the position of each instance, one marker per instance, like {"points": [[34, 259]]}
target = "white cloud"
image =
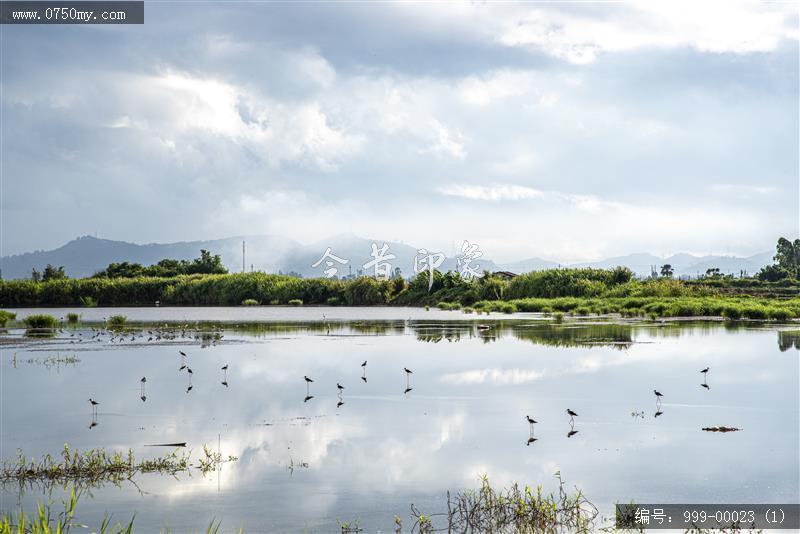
{"points": [[492, 192], [743, 189], [496, 376], [578, 36]]}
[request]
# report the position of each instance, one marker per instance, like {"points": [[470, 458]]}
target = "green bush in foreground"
{"points": [[73, 318], [116, 321], [6, 316], [40, 321]]}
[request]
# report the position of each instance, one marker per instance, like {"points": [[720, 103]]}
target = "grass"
{"points": [[487, 509], [734, 308], [47, 521], [515, 509], [88, 302], [73, 318], [116, 321], [295, 302], [6, 316], [40, 321], [250, 302], [97, 466]]}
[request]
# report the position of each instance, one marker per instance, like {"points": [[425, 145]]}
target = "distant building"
{"points": [[504, 275]]}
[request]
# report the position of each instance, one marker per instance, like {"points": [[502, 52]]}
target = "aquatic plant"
{"points": [[250, 302], [515, 509], [46, 521], [97, 466], [40, 321], [73, 318], [88, 301], [6, 316], [116, 321]]}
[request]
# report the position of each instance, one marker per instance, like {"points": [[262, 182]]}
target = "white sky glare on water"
{"points": [[560, 130]]}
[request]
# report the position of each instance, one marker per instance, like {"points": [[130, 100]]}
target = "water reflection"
{"points": [[372, 459]]}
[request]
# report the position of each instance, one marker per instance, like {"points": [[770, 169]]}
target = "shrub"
{"points": [[116, 321], [274, 302], [467, 309], [250, 302], [88, 302], [558, 317], [6, 316], [73, 318], [295, 302], [507, 307], [332, 301], [40, 321]]}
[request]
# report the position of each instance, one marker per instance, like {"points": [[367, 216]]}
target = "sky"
{"points": [[566, 131]]}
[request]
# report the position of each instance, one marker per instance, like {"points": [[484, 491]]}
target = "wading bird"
{"points": [[94, 404], [308, 381], [705, 371], [339, 386], [658, 396], [572, 415], [364, 371]]}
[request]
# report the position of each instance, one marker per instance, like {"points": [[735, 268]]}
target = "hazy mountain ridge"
{"points": [[86, 255]]}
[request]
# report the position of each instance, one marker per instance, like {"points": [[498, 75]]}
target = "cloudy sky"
{"points": [[560, 130]]}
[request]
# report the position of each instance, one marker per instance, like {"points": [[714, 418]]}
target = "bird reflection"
{"points": [[225, 383], [92, 424], [189, 388], [143, 397], [531, 440], [571, 433], [704, 385], [339, 404], [658, 413], [308, 398], [409, 372]]}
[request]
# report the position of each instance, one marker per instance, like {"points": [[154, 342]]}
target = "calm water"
{"points": [[384, 449]]}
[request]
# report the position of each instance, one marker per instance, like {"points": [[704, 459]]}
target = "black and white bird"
{"points": [[339, 386], [658, 395], [705, 371]]}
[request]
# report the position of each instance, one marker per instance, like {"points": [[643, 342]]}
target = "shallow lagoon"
{"points": [[309, 464]]}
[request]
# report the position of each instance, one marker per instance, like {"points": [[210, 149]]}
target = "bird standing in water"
{"points": [[308, 381]]}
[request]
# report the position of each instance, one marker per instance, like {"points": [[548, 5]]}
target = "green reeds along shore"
{"points": [[577, 292]]}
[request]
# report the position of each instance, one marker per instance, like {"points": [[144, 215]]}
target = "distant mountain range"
{"points": [[86, 255]]}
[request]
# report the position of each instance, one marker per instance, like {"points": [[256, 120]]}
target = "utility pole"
{"points": [[242, 255]]}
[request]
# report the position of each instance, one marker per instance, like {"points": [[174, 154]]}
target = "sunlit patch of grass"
{"points": [[73, 318], [295, 302], [250, 302]]}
